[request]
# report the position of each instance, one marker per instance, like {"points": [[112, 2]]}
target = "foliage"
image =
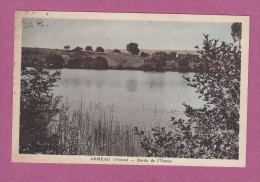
{"points": [[144, 54], [100, 49], [29, 62], [67, 47], [148, 67], [174, 143], [172, 56], [236, 31], [159, 59], [184, 65], [101, 63], [211, 131], [116, 51], [81, 63], [88, 63], [88, 48], [133, 48], [38, 106], [219, 80], [78, 49], [54, 60], [75, 63]]}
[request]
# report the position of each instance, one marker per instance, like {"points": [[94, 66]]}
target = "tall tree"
{"points": [[67, 47], [78, 49], [100, 49], [88, 48], [133, 48], [236, 32]]}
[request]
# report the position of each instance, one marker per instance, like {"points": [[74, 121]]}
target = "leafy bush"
{"points": [[148, 67], [184, 65], [172, 55], [211, 131], [82, 63], [29, 62], [101, 63], [54, 61], [177, 142], [38, 106], [87, 62], [116, 51], [144, 54], [159, 59]]}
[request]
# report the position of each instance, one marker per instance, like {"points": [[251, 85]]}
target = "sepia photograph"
{"points": [[130, 88]]}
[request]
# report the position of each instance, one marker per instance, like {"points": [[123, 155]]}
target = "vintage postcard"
{"points": [[130, 88]]}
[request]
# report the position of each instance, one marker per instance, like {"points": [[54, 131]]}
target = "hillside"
{"points": [[114, 59], [158, 60], [149, 51]]}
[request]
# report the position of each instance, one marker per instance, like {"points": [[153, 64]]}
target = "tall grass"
{"points": [[78, 133]]}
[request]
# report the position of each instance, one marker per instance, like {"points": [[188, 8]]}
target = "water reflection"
{"points": [[131, 85], [88, 83], [136, 97]]}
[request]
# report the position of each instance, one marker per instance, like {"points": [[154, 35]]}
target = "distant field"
{"points": [[114, 59]]}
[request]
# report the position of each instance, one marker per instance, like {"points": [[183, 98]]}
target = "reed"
{"points": [[78, 133]]}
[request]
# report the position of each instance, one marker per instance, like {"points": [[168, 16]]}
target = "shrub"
{"points": [[144, 54], [172, 55], [38, 106], [184, 65], [116, 51], [87, 62], [211, 131], [101, 63], [54, 60], [159, 59]]}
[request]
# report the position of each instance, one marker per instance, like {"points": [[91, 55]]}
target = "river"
{"points": [[134, 98]]}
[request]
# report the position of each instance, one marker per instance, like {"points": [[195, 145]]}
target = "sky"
{"points": [[116, 34]]}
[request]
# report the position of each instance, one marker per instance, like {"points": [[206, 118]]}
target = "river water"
{"points": [[134, 98]]}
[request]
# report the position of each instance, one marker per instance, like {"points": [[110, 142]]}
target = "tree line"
{"points": [[154, 62]]}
